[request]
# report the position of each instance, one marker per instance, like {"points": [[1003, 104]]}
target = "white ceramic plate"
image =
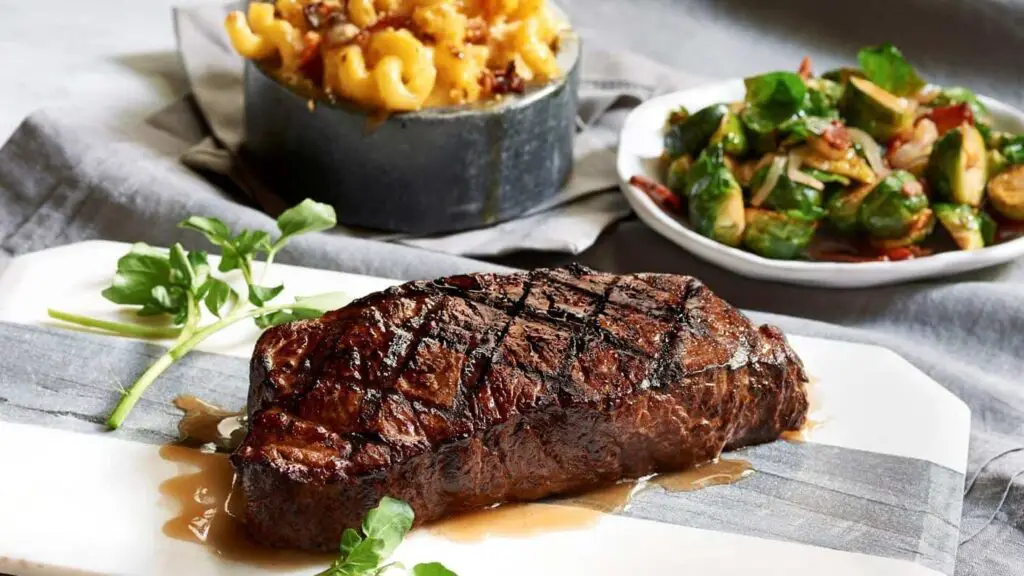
{"points": [[641, 145], [108, 519]]}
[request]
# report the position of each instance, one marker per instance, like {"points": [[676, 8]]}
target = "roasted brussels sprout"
{"points": [[675, 176], [964, 224], [715, 199], [892, 208], [922, 226], [881, 114], [822, 98], [843, 208], [692, 134], [730, 135], [759, 138], [995, 163], [1006, 192], [788, 195], [842, 75], [778, 235], [852, 166], [957, 166]]}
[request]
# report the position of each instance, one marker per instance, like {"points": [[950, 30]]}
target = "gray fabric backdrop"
{"points": [[64, 178]]}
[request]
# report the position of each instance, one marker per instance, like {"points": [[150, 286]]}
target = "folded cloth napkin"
{"points": [[611, 84]]}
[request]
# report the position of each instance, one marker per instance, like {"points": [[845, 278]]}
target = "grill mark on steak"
{"points": [[510, 388]]}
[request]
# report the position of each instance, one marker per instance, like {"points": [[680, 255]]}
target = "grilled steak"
{"points": [[472, 390]]}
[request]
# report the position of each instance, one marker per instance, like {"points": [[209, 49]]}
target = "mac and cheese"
{"points": [[402, 55]]}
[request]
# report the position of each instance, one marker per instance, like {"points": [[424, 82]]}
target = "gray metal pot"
{"points": [[435, 171]]}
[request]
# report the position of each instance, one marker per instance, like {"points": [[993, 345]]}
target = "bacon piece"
{"points": [[659, 193]]}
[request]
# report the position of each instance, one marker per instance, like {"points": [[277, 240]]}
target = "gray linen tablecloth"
{"points": [[65, 177]]}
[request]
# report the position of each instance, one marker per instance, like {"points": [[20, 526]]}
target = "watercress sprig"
{"points": [[176, 283], [383, 530]]}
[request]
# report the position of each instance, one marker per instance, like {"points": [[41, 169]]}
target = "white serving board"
{"points": [[73, 503], [641, 144]]}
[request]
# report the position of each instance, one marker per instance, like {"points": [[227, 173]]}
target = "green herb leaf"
{"points": [[309, 216], [389, 522], [137, 273], [772, 99], [251, 242], [219, 297], [229, 261], [432, 569], [215, 231], [349, 540], [286, 316], [260, 295], [885, 66]]}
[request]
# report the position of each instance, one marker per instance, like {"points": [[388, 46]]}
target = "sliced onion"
{"points": [[911, 154], [872, 150], [794, 173], [770, 180]]}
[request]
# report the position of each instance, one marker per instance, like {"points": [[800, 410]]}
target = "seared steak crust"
{"points": [[468, 391]]}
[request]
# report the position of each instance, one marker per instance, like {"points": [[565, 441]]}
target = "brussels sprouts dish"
{"points": [[861, 164]]}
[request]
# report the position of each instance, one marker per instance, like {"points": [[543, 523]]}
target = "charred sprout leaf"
{"points": [[957, 168], [827, 177], [885, 66], [921, 228], [715, 199], [871, 108], [842, 208], [730, 135], [431, 569], [963, 223], [959, 95], [892, 208], [778, 235], [842, 75], [678, 116], [762, 137], [823, 99], [853, 166], [675, 177], [1006, 192], [694, 133], [774, 98]]}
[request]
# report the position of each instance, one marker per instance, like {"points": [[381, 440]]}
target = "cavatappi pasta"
{"points": [[402, 55]]}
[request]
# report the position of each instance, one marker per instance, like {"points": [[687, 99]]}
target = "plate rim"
{"points": [[811, 273]]}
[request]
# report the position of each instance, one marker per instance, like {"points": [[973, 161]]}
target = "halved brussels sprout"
{"points": [[995, 163], [789, 195], [881, 114], [692, 134], [675, 176], [842, 75], [921, 228], [715, 199], [730, 135], [892, 208], [964, 224], [759, 139], [842, 208], [1006, 192], [852, 166], [957, 166], [778, 235]]}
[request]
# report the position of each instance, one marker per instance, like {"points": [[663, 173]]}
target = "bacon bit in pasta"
{"points": [[805, 68], [947, 118], [311, 61], [659, 193], [477, 31], [507, 82], [318, 14]]}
